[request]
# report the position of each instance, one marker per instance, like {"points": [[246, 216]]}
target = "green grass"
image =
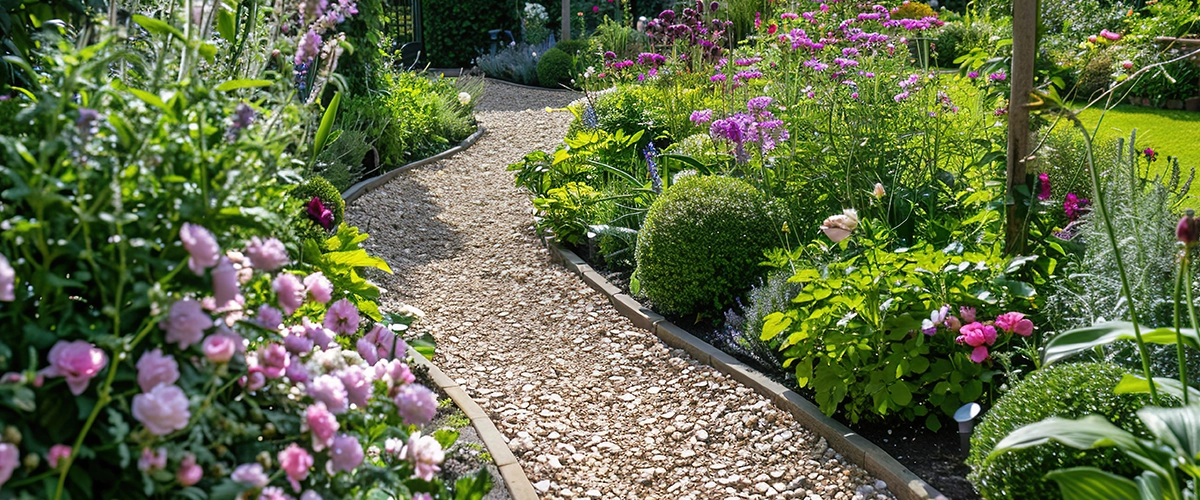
{"points": [[1170, 133]]}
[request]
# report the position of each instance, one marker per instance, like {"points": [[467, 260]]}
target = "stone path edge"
{"points": [[514, 477], [366, 185], [531, 87], [902, 482]]}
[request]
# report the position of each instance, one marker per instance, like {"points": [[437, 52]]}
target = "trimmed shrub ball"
{"points": [[702, 242], [554, 68], [1067, 391]]}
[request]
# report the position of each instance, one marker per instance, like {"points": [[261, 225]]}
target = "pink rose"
{"points": [[342, 317], [329, 389], [8, 278], [201, 245], [220, 347], [295, 462], [319, 287], [163, 410], [425, 454], [345, 454], [156, 368], [152, 460], [189, 473], [1015, 322], [254, 380], [274, 359], [977, 334], [323, 425], [225, 283], [290, 291], [357, 383], [76, 361], [10, 459], [186, 323], [266, 255], [57, 452], [250, 474]]}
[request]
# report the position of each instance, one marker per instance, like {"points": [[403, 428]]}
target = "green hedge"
{"points": [[456, 32]]}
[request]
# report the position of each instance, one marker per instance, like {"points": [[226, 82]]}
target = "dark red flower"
{"points": [[1188, 230], [318, 213]]}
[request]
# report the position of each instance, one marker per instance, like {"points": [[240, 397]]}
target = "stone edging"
{"points": [[857, 449], [531, 87], [366, 185], [514, 476]]}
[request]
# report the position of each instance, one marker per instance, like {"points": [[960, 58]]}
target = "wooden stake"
{"points": [[566, 19], [1025, 14]]}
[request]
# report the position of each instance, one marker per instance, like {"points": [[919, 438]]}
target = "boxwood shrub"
{"points": [[555, 68]]}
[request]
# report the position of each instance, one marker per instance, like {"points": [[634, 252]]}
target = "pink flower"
{"points": [[295, 462], [8, 277], [57, 453], [186, 323], [319, 287], [329, 389], [296, 342], [296, 372], [189, 473], [1015, 322], [155, 368], [323, 425], [312, 495], [357, 383], [967, 314], [76, 361], [290, 291], [273, 493], [320, 335], [163, 410], [595, 9], [254, 379], [953, 324], [266, 255], [201, 245], [345, 454], [416, 403], [342, 317], [378, 344], [225, 283], [1110, 35], [1127, 64], [838, 227], [425, 453], [251, 475], [979, 354], [220, 347], [274, 360], [269, 317], [1043, 186], [10, 458], [152, 460], [319, 214], [977, 334], [393, 371]]}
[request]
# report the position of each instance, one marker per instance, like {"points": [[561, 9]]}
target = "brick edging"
{"points": [[366, 185], [511, 472], [901, 482]]}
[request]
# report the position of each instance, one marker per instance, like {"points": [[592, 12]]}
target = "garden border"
{"points": [[366, 185], [901, 482], [530, 87], [518, 484]]}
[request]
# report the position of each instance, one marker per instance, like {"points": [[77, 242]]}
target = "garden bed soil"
{"points": [[467, 455], [935, 457]]}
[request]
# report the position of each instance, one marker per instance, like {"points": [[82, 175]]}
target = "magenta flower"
{"points": [[225, 283], [1151, 155], [318, 287], [57, 452], [266, 255], [329, 389], [189, 473], [290, 291], [973, 75], [322, 424], [1043, 186], [319, 214], [1015, 322], [76, 361], [155, 368], [1073, 206], [220, 347], [1110, 35], [201, 245], [416, 403], [425, 453], [10, 458], [998, 76], [296, 342], [274, 359], [357, 383], [322, 337], [342, 317], [295, 462], [979, 354], [595, 9], [8, 278], [345, 454], [250, 474], [977, 334], [152, 459], [185, 323], [701, 116], [163, 410]]}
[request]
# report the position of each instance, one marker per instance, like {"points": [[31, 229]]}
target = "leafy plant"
{"points": [[555, 68], [567, 211]]}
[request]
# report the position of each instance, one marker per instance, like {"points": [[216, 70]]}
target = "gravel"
{"points": [[592, 406]]}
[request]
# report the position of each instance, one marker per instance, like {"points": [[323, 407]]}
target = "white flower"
{"points": [[464, 98], [838, 227]]}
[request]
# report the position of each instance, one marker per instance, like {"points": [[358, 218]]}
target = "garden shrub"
{"points": [[702, 242], [320, 188], [456, 32], [1067, 391], [958, 38], [555, 68], [575, 47], [341, 163], [515, 63]]}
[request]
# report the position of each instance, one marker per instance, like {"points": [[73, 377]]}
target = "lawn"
{"points": [[1170, 133]]}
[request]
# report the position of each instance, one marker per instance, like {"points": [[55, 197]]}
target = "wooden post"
{"points": [[566, 19], [1025, 15]]}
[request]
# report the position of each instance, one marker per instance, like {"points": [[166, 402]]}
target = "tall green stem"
{"points": [[1112, 239], [1179, 279], [1191, 308]]}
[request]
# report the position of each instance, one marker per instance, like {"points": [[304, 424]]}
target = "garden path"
{"points": [[590, 405]]}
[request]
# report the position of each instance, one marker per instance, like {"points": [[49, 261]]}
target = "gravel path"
{"points": [[592, 406]]}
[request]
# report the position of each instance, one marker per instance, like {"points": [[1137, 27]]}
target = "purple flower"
{"points": [[973, 75], [651, 155], [8, 278], [319, 214], [250, 474], [758, 104], [307, 47], [998, 76], [225, 283], [274, 359], [345, 454], [155, 368], [185, 323], [701, 116], [416, 403], [1073, 206], [1043, 186], [269, 317], [266, 255], [330, 390], [319, 287], [357, 383], [290, 291], [342, 317], [201, 245], [1151, 155]]}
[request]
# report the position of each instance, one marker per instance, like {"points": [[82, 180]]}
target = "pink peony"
{"points": [[357, 383], [296, 372], [186, 323], [220, 347], [155, 368], [979, 354], [345, 454], [225, 283], [1015, 322], [163, 410], [189, 473], [266, 255], [322, 337], [57, 452], [8, 277], [152, 460], [269, 317], [425, 453], [201, 245], [251, 475], [290, 291], [319, 287], [342, 317], [10, 458], [254, 379], [76, 361], [295, 462], [329, 389], [417, 404], [378, 344], [274, 360], [323, 425]]}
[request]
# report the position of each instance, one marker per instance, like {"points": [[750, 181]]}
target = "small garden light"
{"points": [[965, 416]]}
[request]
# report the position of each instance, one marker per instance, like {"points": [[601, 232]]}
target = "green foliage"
{"points": [[701, 243], [913, 10], [567, 211], [958, 38], [329, 195], [457, 32], [341, 163], [365, 66], [555, 68], [1064, 391], [575, 47], [624, 41], [516, 63]]}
